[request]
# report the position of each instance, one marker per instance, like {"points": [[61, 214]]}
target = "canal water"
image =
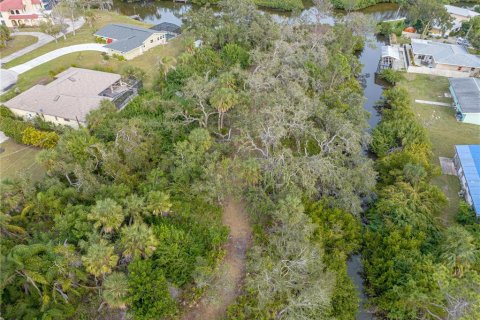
{"points": [[168, 11]]}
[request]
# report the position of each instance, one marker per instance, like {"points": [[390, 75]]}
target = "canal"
{"points": [[168, 11]]}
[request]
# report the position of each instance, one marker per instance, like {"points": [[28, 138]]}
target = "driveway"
{"points": [[43, 39], [7, 79], [56, 54]]}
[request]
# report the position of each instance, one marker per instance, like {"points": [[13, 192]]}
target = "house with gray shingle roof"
{"points": [[466, 96], [130, 41], [445, 56]]}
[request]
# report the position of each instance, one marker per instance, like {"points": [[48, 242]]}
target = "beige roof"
{"points": [[72, 95]]}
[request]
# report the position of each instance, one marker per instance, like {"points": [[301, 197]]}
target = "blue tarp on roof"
{"points": [[469, 156]]}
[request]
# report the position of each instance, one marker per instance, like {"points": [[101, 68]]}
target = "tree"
{"points": [[158, 203], [473, 33], [100, 259], [138, 241], [391, 76], [90, 17], [115, 290], [149, 297], [166, 64], [107, 214], [223, 99], [4, 35], [430, 13], [51, 29], [458, 250]]}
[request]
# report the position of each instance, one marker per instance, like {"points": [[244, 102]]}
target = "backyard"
{"points": [[17, 43], [444, 130], [17, 159]]}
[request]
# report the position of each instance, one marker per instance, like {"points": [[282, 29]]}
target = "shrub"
{"points": [[232, 54], [391, 76], [119, 57], [5, 112], [13, 128], [37, 138]]}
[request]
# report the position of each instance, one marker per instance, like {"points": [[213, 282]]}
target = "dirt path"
{"points": [[228, 283]]}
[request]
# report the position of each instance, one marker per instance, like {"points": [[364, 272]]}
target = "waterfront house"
{"points": [[16, 13], [72, 95], [466, 99], [443, 56], [458, 16], [467, 165], [130, 41]]}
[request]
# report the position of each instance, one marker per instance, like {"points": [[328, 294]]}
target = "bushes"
{"points": [[42, 139], [24, 132], [391, 76]]}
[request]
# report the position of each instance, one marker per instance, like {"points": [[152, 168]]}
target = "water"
{"points": [[168, 11]]}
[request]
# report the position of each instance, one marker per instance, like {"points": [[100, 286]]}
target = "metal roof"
{"points": [[389, 51], [167, 27], [445, 53], [461, 11], [469, 156], [125, 37], [467, 92]]}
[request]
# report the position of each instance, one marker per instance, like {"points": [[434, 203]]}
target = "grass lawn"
{"points": [[17, 43], [443, 129], [83, 35], [18, 159]]}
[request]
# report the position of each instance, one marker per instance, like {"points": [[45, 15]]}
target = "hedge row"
{"points": [[24, 132]]}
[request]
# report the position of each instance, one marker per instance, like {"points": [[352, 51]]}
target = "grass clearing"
{"points": [[83, 35], [19, 159], [17, 43], [443, 128]]}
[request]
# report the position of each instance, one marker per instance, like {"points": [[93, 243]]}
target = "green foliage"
{"points": [[391, 76], [115, 290], [4, 35], [233, 54], [119, 57], [287, 5], [41, 139], [100, 259], [149, 296], [388, 28], [13, 128]]}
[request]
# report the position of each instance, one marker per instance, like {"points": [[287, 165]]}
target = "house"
{"points": [[443, 56], [466, 99], [461, 14], [393, 57], [171, 30], [23, 12], [458, 15], [467, 164], [130, 41], [72, 95]]}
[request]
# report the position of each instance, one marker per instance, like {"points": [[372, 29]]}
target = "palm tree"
{"points": [[137, 241], [458, 251], [158, 203], [100, 259], [115, 290], [90, 17], [107, 214], [223, 99], [167, 63], [134, 207]]}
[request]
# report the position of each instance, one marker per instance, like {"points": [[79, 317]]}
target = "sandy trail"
{"points": [[229, 280]]}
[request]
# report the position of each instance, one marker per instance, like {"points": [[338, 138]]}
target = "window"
{"points": [[12, 12], [67, 120], [17, 11], [151, 41]]}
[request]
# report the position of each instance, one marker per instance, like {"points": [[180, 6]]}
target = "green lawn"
{"points": [[83, 35], [19, 159], [443, 128], [17, 43]]}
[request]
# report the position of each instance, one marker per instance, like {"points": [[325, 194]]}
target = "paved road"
{"points": [[434, 103], [43, 39], [56, 54]]}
